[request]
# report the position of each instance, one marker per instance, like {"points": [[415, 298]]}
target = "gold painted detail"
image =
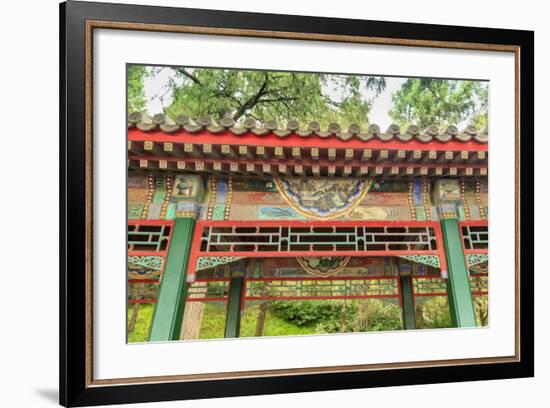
{"points": [[229, 199], [323, 198], [426, 200], [465, 205], [167, 197], [150, 192], [212, 200], [323, 266], [482, 212], [410, 201]]}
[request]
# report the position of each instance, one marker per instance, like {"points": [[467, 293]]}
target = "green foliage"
{"points": [[136, 94], [481, 307], [333, 316], [308, 312], [141, 330], [264, 95], [433, 313], [439, 102], [213, 323]]}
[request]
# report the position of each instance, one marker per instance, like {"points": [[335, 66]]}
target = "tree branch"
{"points": [[189, 75], [252, 101]]}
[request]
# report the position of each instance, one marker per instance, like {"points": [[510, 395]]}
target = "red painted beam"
{"points": [[294, 140]]}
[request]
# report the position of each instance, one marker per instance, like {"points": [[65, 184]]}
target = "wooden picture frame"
{"points": [[78, 20]]}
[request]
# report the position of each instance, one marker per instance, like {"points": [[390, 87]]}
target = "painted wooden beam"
{"points": [[191, 150], [458, 282], [233, 320], [228, 151], [279, 152], [168, 314], [315, 153], [367, 154]]}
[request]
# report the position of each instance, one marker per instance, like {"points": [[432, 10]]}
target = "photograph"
{"points": [[265, 203], [255, 203]]}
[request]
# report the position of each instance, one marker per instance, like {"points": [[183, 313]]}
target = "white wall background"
{"points": [[29, 191]]}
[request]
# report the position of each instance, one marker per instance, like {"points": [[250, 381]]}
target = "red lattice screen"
{"points": [[259, 239]]}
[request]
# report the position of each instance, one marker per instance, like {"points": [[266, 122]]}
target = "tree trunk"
{"points": [[260, 322], [133, 319], [344, 317], [192, 320]]}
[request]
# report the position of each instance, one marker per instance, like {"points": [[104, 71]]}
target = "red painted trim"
{"points": [[440, 247], [150, 222], [474, 223], [143, 280], [315, 223], [216, 299], [431, 294], [142, 300], [246, 299], [399, 293], [475, 251], [270, 139], [322, 278], [294, 254], [148, 253], [427, 277], [196, 252], [243, 295]]}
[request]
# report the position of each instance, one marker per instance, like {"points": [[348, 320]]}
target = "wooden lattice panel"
{"points": [[429, 286], [148, 242], [148, 236], [475, 236], [264, 239], [321, 288]]}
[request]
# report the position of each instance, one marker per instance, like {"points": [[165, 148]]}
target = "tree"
{"points": [[264, 95], [136, 94], [425, 102]]}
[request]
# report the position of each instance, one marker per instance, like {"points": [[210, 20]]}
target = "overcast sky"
{"points": [[158, 95]]}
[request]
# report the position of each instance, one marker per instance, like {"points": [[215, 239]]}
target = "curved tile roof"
{"points": [[205, 123]]}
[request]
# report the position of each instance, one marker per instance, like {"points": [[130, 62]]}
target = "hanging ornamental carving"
{"points": [[145, 267], [323, 198], [430, 260], [478, 263], [206, 262]]}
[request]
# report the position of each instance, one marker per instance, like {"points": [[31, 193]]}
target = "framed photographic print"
{"points": [[255, 203]]}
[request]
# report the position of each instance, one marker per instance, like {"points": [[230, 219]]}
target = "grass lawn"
{"points": [[213, 323], [141, 331]]}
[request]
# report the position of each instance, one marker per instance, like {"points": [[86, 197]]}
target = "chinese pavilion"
{"points": [[243, 214]]}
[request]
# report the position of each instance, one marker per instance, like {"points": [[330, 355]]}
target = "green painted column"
{"points": [[233, 322], [168, 315], [407, 302], [458, 283]]}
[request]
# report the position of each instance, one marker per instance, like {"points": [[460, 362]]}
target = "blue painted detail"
{"points": [[186, 206], [278, 213], [417, 192]]}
